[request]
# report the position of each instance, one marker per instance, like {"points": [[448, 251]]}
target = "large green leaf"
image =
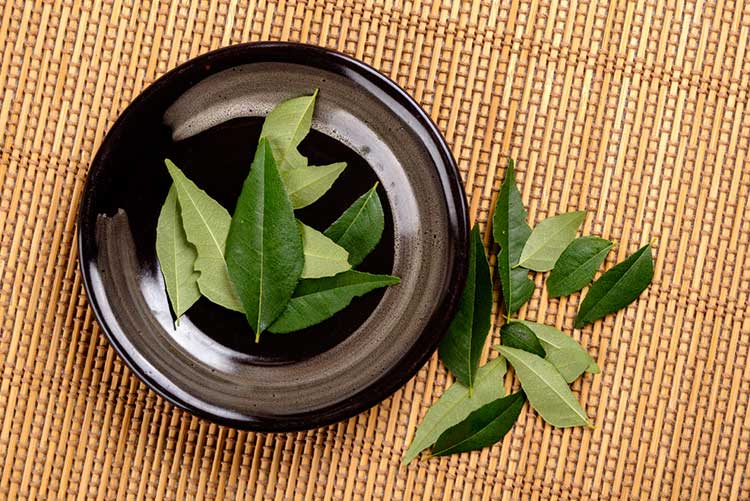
{"points": [[307, 184], [577, 265], [264, 245], [455, 404], [315, 300], [483, 427], [545, 388], [176, 257], [462, 346], [517, 335], [549, 239], [206, 225], [618, 287], [511, 231], [323, 256], [285, 127], [360, 227]]}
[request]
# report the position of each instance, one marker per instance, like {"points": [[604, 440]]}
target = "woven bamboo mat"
{"points": [[636, 111]]}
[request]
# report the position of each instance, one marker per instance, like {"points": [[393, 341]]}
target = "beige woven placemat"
{"points": [[635, 111]]}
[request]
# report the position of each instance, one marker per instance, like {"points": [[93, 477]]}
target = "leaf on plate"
{"points": [[511, 231], [518, 335], [483, 427], [206, 225], [577, 265], [462, 346], [264, 245], [176, 257], [618, 287], [545, 388], [568, 357], [307, 184], [315, 300], [285, 127], [360, 227], [323, 256], [455, 404], [549, 239]]}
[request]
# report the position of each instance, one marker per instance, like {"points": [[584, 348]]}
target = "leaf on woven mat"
{"points": [[577, 265], [548, 240], [517, 335]]}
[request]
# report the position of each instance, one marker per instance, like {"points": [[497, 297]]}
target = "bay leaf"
{"points": [[285, 127], [549, 239], [264, 252], [206, 224], [461, 347], [511, 231], [545, 388], [455, 404], [562, 351], [176, 257], [517, 335], [305, 185], [577, 265], [483, 427], [618, 287], [315, 300], [323, 256], [360, 227]]}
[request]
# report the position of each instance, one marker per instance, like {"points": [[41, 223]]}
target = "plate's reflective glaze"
{"points": [[205, 115]]}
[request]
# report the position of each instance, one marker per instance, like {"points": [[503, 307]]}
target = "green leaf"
{"points": [[206, 225], [545, 388], [360, 227], [285, 127], [483, 427], [549, 239], [462, 346], [577, 265], [307, 184], [618, 287], [518, 335], [264, 245], [323, 257], [511, 232], [568, 357], [455, 404], [176, 257], [316, 300]]}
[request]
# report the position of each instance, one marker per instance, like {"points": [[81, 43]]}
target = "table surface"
{"points": [[635, 111]]}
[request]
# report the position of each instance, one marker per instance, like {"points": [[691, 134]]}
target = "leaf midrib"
{"points": [[587, 261], [205, 223], [614, 286], [358, 214], [539, 248], [454, 446]]}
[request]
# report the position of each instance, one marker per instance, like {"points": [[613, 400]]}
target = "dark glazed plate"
{"points": [[206, 116]]}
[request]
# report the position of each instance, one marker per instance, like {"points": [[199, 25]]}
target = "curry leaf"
{"points": [[206, 225], [285, 127], [264, 245], [307, 184], [315, 300], [577, 265], [511, 231], [485, 426], [176, 257], [518, 335], [618, 287], [549, 239], [456, 403], [462, 346], [323, 257], [545, 388], [360, 227]]}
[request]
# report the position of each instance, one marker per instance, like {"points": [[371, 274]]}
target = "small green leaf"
{"points": [[549, 239], [483, 427], [618, 287], [568, 357], [455, 404], [511, 231], [285, 127], [577, 265], [307, 184], [316, 300], [360, 227], [462, 346], [176, 257], [323, 256], [206, 225], [517, 335], [264, 245], [545, 388]]}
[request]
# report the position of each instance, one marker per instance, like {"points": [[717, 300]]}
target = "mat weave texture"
{"points": [[636, 111]]}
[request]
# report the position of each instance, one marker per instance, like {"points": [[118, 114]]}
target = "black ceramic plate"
{"points": [[206, 116]]}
